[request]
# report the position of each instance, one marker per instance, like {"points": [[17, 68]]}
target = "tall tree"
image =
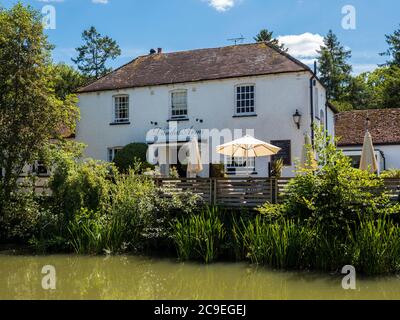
{"points": [[393, 40], [30, 112], [95, 52], [66, 80], [376, 90], [267, 36], [334, 69]]}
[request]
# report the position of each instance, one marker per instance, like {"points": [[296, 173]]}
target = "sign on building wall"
{"points": [[286, 153]]}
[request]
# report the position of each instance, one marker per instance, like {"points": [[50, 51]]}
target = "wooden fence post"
{"points": [[215, 187], [274, 190]]}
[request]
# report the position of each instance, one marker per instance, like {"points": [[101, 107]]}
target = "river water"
{"points": [[131, 277]]}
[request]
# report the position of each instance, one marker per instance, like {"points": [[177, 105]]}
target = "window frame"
{"points": [[112, 151], [236, 100], [171, 109], [116, 120]]}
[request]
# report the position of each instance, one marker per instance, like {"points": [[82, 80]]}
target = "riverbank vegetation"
{"points": [[329, 217]]}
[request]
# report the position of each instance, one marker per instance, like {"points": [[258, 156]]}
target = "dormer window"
{"points": [[179, 105], [121, 109]]}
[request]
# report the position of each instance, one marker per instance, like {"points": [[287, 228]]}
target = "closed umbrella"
{"points": [[195, 165], [368, 158], [247, 147]]}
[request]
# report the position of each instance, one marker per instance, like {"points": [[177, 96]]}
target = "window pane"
{"points": [[245, 101], [121, 109], [179, 103]]}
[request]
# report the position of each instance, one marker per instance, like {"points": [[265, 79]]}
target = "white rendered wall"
{"points": [[277, 98]]}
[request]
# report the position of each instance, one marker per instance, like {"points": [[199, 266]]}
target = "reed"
{"points": [[199, 236], [93, 233], [278, 244], [376, 247]]}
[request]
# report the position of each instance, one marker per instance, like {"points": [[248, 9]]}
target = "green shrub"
{"points": [[19, 219], [391, 174], [133, 157], [199, 236], [335, 195], [77, 185], [134, 203], [134, 217], [51, 232]]}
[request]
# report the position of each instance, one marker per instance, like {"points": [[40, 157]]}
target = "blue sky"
{"points": [[174, 25]]}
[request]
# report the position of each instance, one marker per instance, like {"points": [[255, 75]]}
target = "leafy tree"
{"points": [[388, 92], [267, 36], [377, 89], [30, 111], [335, 71], [67, 80], [95, 52], [393, 40]]}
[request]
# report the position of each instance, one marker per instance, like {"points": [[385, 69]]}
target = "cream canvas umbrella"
{"points": [[368, 159], [307, 160], [247, 147], [195, 165]]}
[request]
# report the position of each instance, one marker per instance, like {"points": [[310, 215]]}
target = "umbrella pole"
{"points": [[247, 163]]}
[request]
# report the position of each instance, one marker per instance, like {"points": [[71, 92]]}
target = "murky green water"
{"points": [[128, 277]]}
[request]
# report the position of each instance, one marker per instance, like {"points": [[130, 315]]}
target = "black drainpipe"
{"points": [[312, 102]]}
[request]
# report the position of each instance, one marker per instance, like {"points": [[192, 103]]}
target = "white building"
{"points": [[384, 126], [252, 87]]}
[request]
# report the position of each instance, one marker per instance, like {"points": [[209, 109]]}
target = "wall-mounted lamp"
{"points": [[297, 119], [199, 120], [154, 123]]}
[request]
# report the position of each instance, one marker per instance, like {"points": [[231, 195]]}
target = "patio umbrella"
{"points": [[368, 159], [307, 160], [247, 147], [194, 164]]}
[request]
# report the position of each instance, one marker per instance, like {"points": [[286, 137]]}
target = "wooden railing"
{"points": [[231, 192], [243, 192], [392, 186]]}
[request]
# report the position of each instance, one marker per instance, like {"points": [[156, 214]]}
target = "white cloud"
{"points": [[222, 5], [100, 1], [303, 46]]}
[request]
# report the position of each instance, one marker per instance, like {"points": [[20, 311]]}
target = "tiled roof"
{"points": [[384, 126], [198, 65]]}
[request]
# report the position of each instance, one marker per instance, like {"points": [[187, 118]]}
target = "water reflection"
{"points": [[128, 277]]}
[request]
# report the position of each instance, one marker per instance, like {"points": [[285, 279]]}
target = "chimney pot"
{"points": [[159, 50]]}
